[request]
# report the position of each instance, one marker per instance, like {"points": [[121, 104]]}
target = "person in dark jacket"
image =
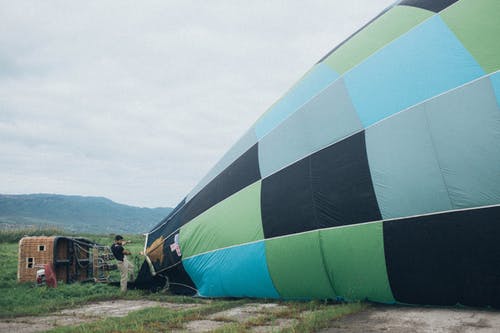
{"points": [[125, 266]]}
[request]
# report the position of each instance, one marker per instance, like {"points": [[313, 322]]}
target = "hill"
{"points": [[77, 213]]}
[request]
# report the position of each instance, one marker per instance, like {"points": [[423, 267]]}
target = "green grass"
{"points": [[322, 317], [8, 262], [14, 235], [152, 319], [310, 317], [26, 299]]}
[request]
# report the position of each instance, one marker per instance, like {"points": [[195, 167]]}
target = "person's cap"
{"points": [[118, 237]]}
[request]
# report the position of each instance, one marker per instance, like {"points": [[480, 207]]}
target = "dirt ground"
{"points": [[83, 314], [120, 308], [375, 319], [418, 320], [239, 314]]}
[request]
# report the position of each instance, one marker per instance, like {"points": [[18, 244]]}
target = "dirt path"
{"points": [[418, 320], [374, 319], [120, 308], [83, 314], [240, 314]]}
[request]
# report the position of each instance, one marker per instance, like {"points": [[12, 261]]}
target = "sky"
{"points": [[137, 100]]}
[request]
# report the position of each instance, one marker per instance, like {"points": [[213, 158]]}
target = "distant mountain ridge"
{"points": [[78, 213]]}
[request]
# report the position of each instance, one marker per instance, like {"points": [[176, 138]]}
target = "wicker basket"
{"points": [[34, 253], [74, 259]]}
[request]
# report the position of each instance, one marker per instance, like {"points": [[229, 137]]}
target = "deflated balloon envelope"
{"points": [[376, 176]]}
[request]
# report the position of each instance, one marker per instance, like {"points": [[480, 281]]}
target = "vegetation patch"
{"points": [[27, 299], [156, 319], [14, 235], [323, 315]]}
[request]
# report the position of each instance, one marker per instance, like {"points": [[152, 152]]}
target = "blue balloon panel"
{"points": [[311, 84], [495, 82], [465, 127], [239, 271], [405, 171], [419, 65]]}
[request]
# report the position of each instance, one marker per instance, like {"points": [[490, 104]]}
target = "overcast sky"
{"points": [[137, 100]]}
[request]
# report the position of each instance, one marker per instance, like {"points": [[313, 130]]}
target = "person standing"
{"points": [[125, 266]]}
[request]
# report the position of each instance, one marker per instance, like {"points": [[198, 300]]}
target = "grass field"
{"points": [[26, 299]]}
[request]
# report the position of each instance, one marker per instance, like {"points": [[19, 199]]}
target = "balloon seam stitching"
{"points": [[346, 226]]}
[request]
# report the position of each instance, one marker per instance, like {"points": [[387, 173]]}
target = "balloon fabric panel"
{"points": [[311, 84], [247, 141], [297, 268], [405, 170], [324, 120], [433, 5], [355, 261], [376, 176], [495, 82], [240, 271], [445, 259], [233, 221], [466, 123], [475, 23], [332, 187], [417, 66], [395, 22]]}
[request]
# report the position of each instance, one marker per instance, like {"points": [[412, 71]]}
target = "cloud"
{"points": [[136, 101]]}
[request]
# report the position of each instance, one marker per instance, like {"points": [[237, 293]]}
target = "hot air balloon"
{"points": [[375, 177]]}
